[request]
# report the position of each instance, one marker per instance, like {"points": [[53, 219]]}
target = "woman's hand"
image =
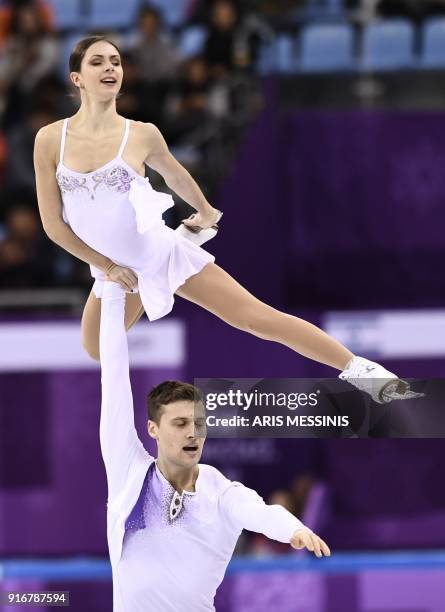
{"points": [[202, 221], [125, 277]]}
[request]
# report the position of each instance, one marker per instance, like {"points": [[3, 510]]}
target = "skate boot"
{"points": [[381, 384]]}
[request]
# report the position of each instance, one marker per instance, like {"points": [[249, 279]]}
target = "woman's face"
{"points": [[101, 71]]}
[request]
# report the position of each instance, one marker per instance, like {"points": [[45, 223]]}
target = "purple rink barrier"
{"points": [[385, 582]]}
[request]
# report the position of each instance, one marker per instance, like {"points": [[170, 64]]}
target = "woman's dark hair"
{"points": [[78, 53]]}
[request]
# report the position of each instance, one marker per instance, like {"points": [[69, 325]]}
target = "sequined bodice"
{"points": [[116, 176]]}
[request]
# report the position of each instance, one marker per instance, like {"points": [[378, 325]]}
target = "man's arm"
{"points": [[248, 510], [120, 445]]}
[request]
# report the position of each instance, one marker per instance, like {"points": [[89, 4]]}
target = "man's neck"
{"points": [[181, 479]]}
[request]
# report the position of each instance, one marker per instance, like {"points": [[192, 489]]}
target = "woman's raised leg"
{"points": [[219, 293], [90, 324]]}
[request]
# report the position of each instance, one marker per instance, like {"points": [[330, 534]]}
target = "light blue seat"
{"points": [[388, 45], [327, 47], [277, 56], [67, 44], [174, 12], [433, 44], [265, 61], [285, 55], [191, 41], [335, 7], [67, 14], [317, 10], [116, 15]]}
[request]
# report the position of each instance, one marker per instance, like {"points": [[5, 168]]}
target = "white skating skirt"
{"points": [[135, 236]]}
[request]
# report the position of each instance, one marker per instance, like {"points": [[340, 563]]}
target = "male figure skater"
{"points": [[172, 523]]}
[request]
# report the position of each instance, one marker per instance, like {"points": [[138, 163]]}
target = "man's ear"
{"points": [[152, 429]]}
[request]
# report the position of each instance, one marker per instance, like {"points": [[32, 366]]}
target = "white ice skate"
{"points": [[198, 235], [381, 384]]}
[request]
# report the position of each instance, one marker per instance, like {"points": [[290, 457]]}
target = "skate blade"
{"points": [[398, 390]]}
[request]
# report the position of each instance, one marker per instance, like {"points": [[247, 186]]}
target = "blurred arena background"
{"points": [[317, 127]]}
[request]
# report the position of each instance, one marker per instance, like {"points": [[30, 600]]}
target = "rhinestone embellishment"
{"points": [[116, 178], [69, 183]]}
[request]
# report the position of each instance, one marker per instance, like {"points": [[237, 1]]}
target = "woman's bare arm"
{"points": [[175, 175], [50, 204], [50, 208]]}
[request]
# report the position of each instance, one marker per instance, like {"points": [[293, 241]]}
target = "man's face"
{"points": [[180, 434]]}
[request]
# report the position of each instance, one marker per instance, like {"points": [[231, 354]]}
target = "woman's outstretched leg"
{"points": [[91, 320], [218, 292]]}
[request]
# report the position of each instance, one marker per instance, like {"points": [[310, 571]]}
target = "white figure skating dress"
{"points": [[117, 212]]}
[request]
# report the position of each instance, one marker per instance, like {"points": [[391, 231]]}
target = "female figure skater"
{"points": [[106, 213]]}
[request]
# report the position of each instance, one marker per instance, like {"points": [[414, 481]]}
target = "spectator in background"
{"points": [[26, 255], [188, 106], [7, 14], [281, 15], [50, 93], [219, 50], [153, 51], [153, 61], [278, 15], [260, 545], [200, 11], [134, 101], [416, 10], [233, 39], [30, 54], [20, 139], [434, 7], [3, 157], [295, 501], [300, 490]]}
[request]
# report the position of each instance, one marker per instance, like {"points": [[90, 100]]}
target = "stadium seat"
{"points": [[277, 56], [191, 41], [319, 10], [388, 45], [327, 47], [174, 12], [335, 7], [433, 44], [285, 54], [67, 14], [105, 15], [67, 44], [265, 60]]}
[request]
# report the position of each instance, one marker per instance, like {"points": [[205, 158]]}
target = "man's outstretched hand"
{"points": [[305, 538]]}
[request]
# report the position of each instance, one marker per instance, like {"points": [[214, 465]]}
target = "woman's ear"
{"points": [[75, 80]]}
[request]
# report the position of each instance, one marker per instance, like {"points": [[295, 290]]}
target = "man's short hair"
{"points": [[168, 392]]}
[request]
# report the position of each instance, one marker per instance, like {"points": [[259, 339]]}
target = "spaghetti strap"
{"points": [[62, 142], [124, 141]]}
